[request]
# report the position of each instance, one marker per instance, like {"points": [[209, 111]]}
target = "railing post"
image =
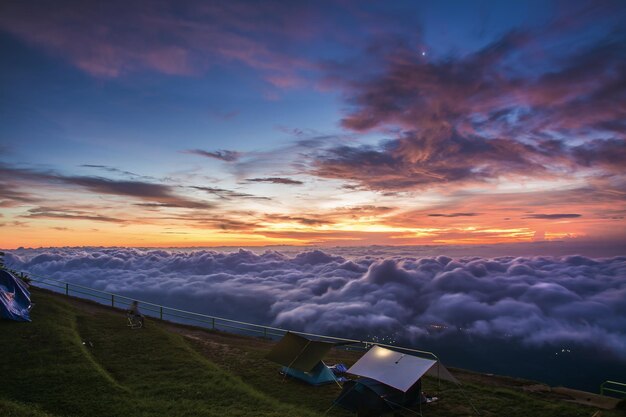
{"points": [[112, 300], [613, 387], [67, 288], [265, 332], [161, 313], [213, 323]]}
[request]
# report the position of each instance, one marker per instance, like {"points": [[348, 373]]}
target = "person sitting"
{"points": [[134, 312]]}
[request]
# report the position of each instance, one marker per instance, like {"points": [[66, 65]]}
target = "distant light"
{"points": [[423, 53]]}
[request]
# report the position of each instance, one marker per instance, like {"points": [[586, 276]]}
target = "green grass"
{"points": [[14, 409], [148, 372], [167, 370]]}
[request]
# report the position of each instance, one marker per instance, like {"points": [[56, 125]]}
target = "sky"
{"points": [[345, 123]]}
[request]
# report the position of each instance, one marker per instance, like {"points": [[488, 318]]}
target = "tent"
{"points": [[366, 396], [319, 375], [398, 370], [302, 359], [14, 298], [390, 381]]}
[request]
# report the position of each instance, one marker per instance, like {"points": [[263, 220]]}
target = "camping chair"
{"points": [[134, 321]]}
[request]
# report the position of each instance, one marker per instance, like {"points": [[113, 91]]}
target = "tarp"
{"points": [[298, 352], [319, 375], [14, 298], [398, 370]]}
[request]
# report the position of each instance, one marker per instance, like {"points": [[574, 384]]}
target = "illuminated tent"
{"points": [[390, 381], [398, 370], [302, 359], [14, 298]]}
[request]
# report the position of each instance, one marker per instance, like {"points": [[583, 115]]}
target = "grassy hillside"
{"points": [[80, 359]]}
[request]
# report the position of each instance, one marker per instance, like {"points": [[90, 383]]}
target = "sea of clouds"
{"points": [[538, 300]]}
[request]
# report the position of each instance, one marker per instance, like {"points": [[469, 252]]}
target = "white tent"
{"points": [[396, 369]]}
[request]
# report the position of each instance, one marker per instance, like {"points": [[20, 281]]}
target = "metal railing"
{"points": [[613, 387], [212, 322]]}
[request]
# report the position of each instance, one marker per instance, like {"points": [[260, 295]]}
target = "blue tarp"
{"points": [[14, 298]]}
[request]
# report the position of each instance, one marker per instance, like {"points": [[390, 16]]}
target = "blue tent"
{"points": [[302, 359], [319, 375], [14, 298]]}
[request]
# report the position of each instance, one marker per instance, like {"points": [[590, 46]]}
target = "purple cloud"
{"points": [[609, 154], [480, 117], [115, 171], [420, 160], [70, 214], [453, 214], [115, 39], [147, 191], [553, 216], [228, 194], [222, 155], [11, 195], [276, 180]]}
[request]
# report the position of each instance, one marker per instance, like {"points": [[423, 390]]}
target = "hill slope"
{"points": [[79, 359]]}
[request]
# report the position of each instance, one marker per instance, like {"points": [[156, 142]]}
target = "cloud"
{"points": [[453, 214], [227, 194], [309, 221], [116, 39], [222, 155], [420, 160], [56, 213], [16, 224], [479, 117], [609, 154], [115, 170], [276, 180], [11, 195], [553, 216], [147, 191], [536, 301], [200, 220], [137, 189], [156, 205]]}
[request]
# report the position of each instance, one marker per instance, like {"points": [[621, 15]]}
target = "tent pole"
{"points": [[338, 399], [334, 378], [296, 358], [438, 376], [420, 400], [468, 400]]}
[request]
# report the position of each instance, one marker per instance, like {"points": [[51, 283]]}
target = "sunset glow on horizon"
{"points": [[158, 124]]}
